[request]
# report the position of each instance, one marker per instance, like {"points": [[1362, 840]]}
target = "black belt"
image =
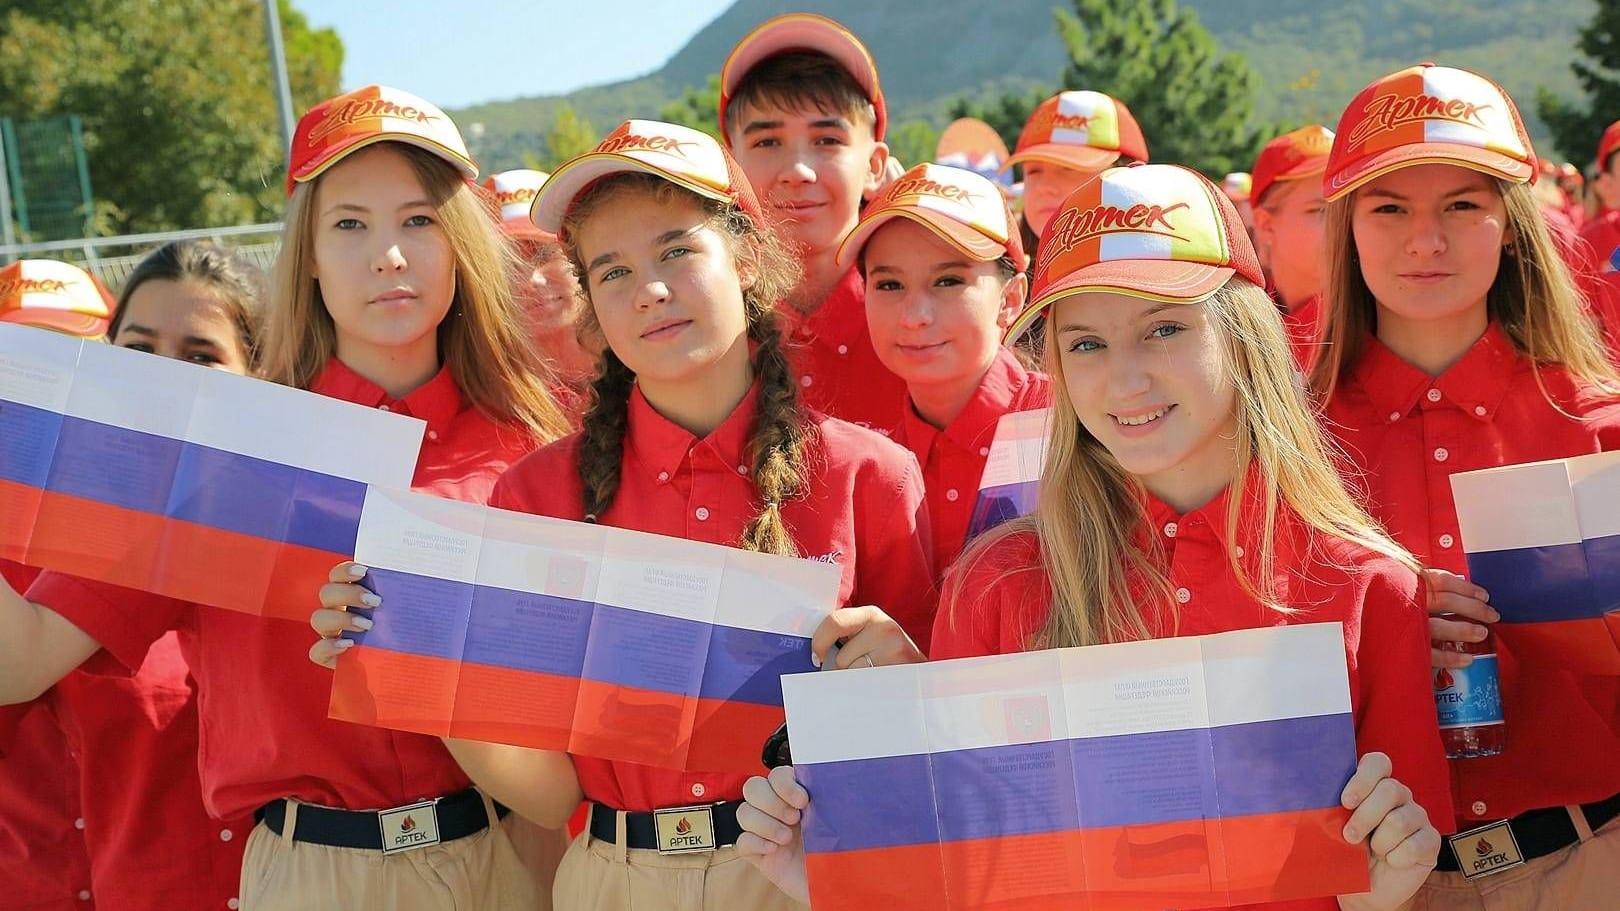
{"points": [[1544, 831], [640, 830], [459, 815]]}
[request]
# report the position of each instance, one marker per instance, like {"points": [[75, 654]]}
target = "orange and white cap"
{"points": [[513, 193], [1428, 114], [803, 32], [54, 295], [1291, 156], [1608, 145], [1237, 186], [1162, 232], [964, 209], [681, 155], [1085, 130], [351, 121]]}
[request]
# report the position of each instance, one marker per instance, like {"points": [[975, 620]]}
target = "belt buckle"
{"points": [[685, 830], [1486, 850], [409, 827]]}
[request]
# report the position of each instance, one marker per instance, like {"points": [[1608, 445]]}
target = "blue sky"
{"points": [[510, 48]]}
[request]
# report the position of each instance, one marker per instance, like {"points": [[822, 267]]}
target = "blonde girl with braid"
{"points": [[695, 430], [1188, 491]]}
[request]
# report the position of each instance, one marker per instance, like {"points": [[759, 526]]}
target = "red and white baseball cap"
{"points": [[1085, 130], [1428, 114], [513, 193], [1162, 232], [1237, 186], [1608, 145], [803, 32], [54, 295], [964, 209], [1291, 156], [681, 155], [351, 121]]}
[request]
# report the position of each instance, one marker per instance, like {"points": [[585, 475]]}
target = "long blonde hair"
{"points": [[1533, 299], [491, 358], [1091, 517], [780, 439]]}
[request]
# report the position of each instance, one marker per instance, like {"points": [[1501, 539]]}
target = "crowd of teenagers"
{"points": [[780, 340]]}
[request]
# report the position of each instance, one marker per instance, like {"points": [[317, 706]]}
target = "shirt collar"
{"points": [[973, 429], [1213, 514], [662, 445], [839, 319], [1477, 383], [437, 401]]}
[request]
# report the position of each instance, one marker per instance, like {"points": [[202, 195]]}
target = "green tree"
{"points": [[181, 129], [1576, 128], [570, 135], [913, 142], [1195, 104], [696, 108]]}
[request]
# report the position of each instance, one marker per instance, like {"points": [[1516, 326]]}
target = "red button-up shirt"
{"points": [[44, 864], [1005, 599], [1406, 433], [953, 459], [262, 706], [863, 510], [838, 369]]}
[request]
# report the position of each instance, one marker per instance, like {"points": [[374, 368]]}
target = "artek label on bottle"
{"points": [[1468, 696]]}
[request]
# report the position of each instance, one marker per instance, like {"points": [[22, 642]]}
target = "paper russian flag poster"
{"points": [[1012, 472], [506, 627], [1544, 539], [1175, 773], [158, 475]]}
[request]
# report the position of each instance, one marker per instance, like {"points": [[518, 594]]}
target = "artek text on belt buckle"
{"points": [[685, 830], [1486, 850], [409, 827]]}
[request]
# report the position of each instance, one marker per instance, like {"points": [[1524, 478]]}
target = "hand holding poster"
{"points": [[1187, 772], [512, 628], [1544, 539], [155, 474]]}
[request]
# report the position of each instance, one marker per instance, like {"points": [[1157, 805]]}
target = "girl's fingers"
{"points": [[347, 594], [770, 815], [787, 787], [839, 625], [751, 845], [325, 652], [1444, 657], [346, 572], [1388, 795], [1397, 828], [1420, 849], [1444, 630], [763, 826], [331, 623], [1371, 768]]}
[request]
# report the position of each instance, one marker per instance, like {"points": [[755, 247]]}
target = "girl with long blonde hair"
{"points": [[1186, 491], [1455, 340], [390, 292]]}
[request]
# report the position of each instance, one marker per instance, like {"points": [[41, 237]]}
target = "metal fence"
{"points": [[113, 258]]}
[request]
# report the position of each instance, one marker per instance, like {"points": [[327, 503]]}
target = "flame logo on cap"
{"points": [[1389, 111], [359, 109], [683, 827]]}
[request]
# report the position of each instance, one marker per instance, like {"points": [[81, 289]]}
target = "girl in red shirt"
{"points": [[1456, 341], [944, 269], [1186, 491], [389, 292], [695, 432]]}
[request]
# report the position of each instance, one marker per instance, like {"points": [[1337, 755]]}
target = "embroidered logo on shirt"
{"points": [[832, 557]]}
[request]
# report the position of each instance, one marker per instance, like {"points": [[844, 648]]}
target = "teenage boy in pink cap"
{"points": [[802, 111], [1287, 202]]}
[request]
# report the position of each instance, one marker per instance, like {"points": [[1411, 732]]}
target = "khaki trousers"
{"points": [[1583, 877]]}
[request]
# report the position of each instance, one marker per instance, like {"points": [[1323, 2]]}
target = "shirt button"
{"points": [[663, 476], [1170, 529], [433, 435], [384, 408], [1433, 395], [1480, 410], [1183, 596], [1478, 808], [233, 904], [1238, 551], [806, 381], [1394, 416], [226, 835], [742, 469], [1446, 541], [843, 349], [1440, 455], [984, 450], [698, 789], [951, 495], [78, 823], [702, 513], [84, 895]]}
